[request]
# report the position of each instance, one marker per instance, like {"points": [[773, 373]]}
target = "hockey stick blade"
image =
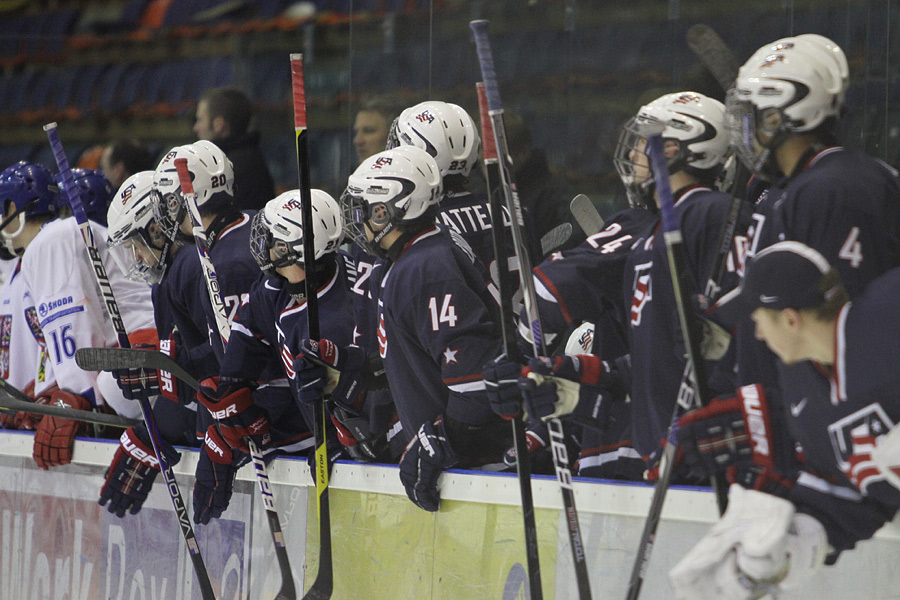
{"points": [[555, 238], [714, 53], [12, 405], [113, 359], [586, 214]]}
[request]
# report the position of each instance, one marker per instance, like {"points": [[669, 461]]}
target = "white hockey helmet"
{"points": [[211, 173], [819, 46], [794, 90], [695, 140], [278, 230], [401, 185], [444, 130], [136, 242]]}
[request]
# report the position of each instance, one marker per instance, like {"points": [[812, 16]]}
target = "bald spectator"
{"points": [[122, 158], [372, 125], [223, 117]]}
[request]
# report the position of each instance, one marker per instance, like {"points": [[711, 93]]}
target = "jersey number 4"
{"points": [[851, 250], [447, 313]]}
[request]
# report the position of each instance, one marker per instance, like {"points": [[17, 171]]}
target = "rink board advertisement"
{"points": [[56, 543]]}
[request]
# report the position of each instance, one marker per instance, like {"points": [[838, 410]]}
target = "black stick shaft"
{"points": [[323, 585], [507, 320], [557, 442]]}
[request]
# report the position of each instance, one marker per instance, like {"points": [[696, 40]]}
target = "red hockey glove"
{"points": [[236, 413], [215, 473], [54, 436]]}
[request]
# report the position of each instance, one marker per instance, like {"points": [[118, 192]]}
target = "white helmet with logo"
{"points": [[212, 176], [401, 185], [444, 130], [136, 242], [793, 90], [278, 230], [695, 140]]}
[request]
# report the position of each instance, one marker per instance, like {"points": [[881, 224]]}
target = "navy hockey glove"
{"points": [[563, 385], [237, 415], [311, 380], [132, 471], [216, 470], [734, 435], [536, 439], [501, 382], [350, 370], [427, 455]]}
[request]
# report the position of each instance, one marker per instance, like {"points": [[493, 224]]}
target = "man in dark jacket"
{"points": [[223, 115]]}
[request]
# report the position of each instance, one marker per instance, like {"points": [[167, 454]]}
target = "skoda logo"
{"points": [[42, 309]]}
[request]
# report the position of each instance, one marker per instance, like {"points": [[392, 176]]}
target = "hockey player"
{"points": [[275, 320], [228, 244], [786, 104], [28, 199], [437, 321], [695, 143], [57, 270], [450, 136], [839, 380], [144, 254]]}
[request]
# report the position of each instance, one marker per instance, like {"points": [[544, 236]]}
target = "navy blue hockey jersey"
{"points": [[836, 414], [655, 338], [437, 329]]}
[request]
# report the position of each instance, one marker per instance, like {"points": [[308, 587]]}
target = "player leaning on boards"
{"points": [[145, 254], [29, 198], [841, 406], [71, 313], [437, 320], [238, 411]]}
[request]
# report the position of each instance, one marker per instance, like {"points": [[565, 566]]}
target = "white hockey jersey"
{"points": [[23, 353], [70, 310]]}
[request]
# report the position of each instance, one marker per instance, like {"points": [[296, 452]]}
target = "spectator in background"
{"points": [[122, 158], [223, 117], [372, 124], [542, 193]]}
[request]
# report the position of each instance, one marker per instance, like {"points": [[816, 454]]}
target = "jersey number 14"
{"points": [[446, 315]]}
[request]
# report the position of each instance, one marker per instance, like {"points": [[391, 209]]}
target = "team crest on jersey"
{"points": [[642, 291], [854, 437]]}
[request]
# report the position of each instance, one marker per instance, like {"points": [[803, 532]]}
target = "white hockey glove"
{"points": [[758, 547], [886, 456]]}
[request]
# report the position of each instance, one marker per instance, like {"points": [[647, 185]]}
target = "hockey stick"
{"points": [[15, 401], [586, 215], [323, 585], [112, 308], [718, 58], [507, 328], [287, 591], [114, 359], [693, 385], [714, 53], [554, 426], [555, 238]]}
